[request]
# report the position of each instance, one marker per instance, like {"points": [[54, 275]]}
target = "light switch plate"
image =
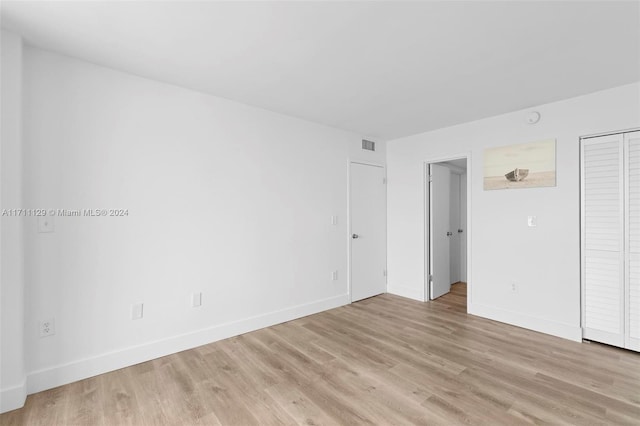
{"points": [[532, 221], [137, 311], [334, 220], [45, 224], [196, 300]]}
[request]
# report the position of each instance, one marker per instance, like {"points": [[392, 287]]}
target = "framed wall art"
{"points": [[526, 165]]}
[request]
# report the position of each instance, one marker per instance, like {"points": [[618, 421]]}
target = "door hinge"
{"points": [[430, 278], [384, 272], [430, 178], [384, 181]]}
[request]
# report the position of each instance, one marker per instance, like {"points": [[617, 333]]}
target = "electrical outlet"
{"points": [[47, 327], [513, 287], [137, 311]]}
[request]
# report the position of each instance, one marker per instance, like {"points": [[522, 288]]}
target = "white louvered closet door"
{"points": [[603, 298], [632, 243]]}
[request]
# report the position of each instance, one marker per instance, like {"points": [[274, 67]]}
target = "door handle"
{"points": [[460, 231], [449, 233], [354, 236]]}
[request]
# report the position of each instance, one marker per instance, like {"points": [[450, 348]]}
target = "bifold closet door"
{"points": [[632, 245], [602, 197]]}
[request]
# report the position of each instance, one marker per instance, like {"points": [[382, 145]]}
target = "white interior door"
{"points": [[439, 231], [454, 225], [368, 209]]}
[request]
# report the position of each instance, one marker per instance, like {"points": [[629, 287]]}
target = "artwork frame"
{"points": [[524, 165]]}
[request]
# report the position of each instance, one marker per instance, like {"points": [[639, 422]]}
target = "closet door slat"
{"points": [[632, 243], [602, 218]]}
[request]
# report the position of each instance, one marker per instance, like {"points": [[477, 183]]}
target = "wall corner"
{"points": [[12, 357]]}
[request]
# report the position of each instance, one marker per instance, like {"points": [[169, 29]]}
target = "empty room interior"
{"points": [[390, 213]]}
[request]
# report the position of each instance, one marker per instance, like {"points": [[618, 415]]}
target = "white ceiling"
{"points": [[381, 69]]}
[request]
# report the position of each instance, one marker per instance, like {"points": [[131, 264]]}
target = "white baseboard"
{"points": [[408, 292], [13, 398], [81, 369], [541, 325]]}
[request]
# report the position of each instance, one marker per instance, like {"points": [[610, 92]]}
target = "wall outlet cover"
{"points": [[47, 327]]}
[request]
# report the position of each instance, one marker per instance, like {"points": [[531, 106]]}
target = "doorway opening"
{"points": [[447, 231]]}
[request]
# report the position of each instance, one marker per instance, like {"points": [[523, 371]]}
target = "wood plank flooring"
{"points": [[385, 360]]}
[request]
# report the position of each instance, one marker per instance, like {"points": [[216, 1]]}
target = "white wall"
{"points": [[224, 199], [12, 368], [545, 263]]}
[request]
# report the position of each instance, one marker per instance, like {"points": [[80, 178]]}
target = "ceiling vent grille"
{"points": [[368, 145]]}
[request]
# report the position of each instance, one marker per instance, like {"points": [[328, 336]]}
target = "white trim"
{"points": [[425, 231], [425, 190], [81, 369], [566, 331], [596, 135], [582, 239], [349, 229], [469, 233], [428, 226], [445, 158], [366, 163], [13, 398]]}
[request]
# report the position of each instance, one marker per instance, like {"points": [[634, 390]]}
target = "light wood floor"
{"points": [[385, 360]]}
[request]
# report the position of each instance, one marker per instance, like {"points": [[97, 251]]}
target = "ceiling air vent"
{"points": [[368, 145]]}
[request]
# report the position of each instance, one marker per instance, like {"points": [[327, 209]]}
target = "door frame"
{"points": [[426, 221], [349, 242]]}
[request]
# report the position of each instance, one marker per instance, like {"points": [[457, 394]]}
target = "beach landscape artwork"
{"points": [[527, 165]]}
